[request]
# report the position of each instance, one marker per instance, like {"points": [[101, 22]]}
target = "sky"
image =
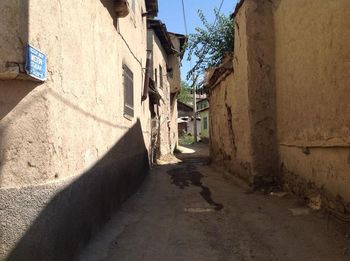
{"points": [[170, 12]]}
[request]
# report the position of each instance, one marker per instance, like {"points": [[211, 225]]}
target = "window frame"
{"points": [[156, 77], [205, 123], [161, 77], [128, 85]]}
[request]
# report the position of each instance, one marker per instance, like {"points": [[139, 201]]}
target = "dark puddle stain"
{"points": [[184, 177]]}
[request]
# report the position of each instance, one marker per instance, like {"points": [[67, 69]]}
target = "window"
{"points": [[205, 123], [161, 77], [155, 77], [128, 91]]}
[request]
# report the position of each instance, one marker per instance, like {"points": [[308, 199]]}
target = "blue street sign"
{"points": [[35, 63]]}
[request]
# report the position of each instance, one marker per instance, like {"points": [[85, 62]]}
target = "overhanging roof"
{"points": [[152, 7], [161, 31], [183, 41], [185, 105]]}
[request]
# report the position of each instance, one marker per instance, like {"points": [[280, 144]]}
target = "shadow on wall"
{"points": [[109, 5], [80, 209], [13, 93]]}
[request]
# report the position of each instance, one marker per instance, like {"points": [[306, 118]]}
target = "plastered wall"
{"points": [[65, 144], [78, 112], [174, 63], [167, 118], [289, 99], [246, 100], [312, 91]]}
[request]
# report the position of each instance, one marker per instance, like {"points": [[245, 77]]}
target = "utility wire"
{"points": [[219, 10], [201, 57], [204, 50], [184, 16]]}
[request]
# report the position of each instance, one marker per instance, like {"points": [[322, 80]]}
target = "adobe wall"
{"points": [[313, 112], [261, 91], [222, 141], [242, 106], [67, 152], [289, 99]]}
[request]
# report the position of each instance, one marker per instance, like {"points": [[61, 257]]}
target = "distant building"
{"points": [[203, 114], [185, 114], [164, 74]]}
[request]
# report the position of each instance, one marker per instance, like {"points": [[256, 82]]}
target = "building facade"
{"points": [[165, 76], [281, 105], [203, 113], [75, 146]]}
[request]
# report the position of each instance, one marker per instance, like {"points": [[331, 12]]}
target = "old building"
{"points": [[75, 143], [203, 114], [185, 115], [166, 49], [281, 105]]}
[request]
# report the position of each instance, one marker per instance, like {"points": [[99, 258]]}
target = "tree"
{"points": [[185, 94], [211, 43]]}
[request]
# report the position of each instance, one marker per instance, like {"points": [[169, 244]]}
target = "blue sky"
{"points": [[170, 12]]}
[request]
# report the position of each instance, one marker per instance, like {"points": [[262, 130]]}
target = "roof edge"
{"points": [[162, 34], [152, 7], [237, 8]]}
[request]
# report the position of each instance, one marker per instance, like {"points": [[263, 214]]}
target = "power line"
{"points": [[219, 10], [184, 16]]}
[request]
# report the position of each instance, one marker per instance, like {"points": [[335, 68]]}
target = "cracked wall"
{"points": [[289, 99], [247, 98], [54, 133], [313, 112], [167, 119]]}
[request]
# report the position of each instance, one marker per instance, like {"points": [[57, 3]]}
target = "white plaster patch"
{"points": [[90, 158]]}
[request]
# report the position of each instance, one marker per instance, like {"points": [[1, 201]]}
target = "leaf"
{"points": [[210, 43]]}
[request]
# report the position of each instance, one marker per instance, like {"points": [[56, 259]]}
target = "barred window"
{"points": [[128, 91]]}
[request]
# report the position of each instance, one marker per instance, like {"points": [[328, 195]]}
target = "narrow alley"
{"points": [[192, 211], [209, 130]]}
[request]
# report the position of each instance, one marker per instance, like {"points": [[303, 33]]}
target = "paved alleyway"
{"points": [[190, 211]]}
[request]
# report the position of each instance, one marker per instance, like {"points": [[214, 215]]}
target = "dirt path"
{"points": [[190, 211]]}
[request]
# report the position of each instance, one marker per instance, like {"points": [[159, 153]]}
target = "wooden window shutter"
{"points": [[128, 91], [160, 76]]}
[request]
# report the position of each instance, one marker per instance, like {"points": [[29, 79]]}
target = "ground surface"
{"points": [[191, 211]]}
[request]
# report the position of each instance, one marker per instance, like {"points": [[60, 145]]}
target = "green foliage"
{"points": [[186, 139], [211, 43], [185, 94]]}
